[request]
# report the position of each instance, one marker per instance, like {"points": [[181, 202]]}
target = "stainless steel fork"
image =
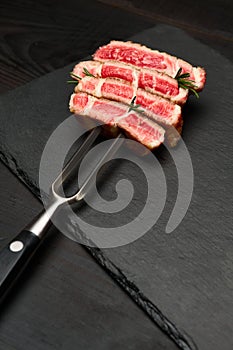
{"points": [[15, 255]]}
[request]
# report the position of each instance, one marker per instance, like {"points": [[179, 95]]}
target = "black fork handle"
{"points": [[14, 257]]}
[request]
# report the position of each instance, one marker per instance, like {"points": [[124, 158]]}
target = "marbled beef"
{"points": [[116, 114], [142, 57], [147, 79], [153, 106]]}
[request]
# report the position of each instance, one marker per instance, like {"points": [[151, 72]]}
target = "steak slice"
{"points": [[115, 114], [142, 57], [147, 79], [155, 107]]}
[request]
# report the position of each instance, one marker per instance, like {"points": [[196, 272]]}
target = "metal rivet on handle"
{"points": [[16, 246]]}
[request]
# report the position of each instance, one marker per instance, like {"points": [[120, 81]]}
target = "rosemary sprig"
{"points": [[133, 107], [186, 83], [86, 72], [73, 81], [74, 75]]}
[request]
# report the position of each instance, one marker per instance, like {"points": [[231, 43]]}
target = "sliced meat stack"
{"points": [[134, 88]]}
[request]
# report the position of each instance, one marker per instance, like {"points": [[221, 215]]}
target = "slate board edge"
{"points": [[180, 338]]}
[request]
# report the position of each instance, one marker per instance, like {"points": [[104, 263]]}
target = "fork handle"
{"points": [[14, 257]]}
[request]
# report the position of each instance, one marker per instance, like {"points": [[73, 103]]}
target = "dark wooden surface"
{"points": [[100, 315], [37, 38]]}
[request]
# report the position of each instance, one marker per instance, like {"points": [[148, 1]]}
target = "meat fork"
{"points": [[16, 254]]}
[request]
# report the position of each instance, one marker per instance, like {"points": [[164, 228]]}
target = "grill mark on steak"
{"points": [[144, 57]]}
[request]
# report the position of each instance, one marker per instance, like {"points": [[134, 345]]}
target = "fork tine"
{"points": [[91, 177], [76, 158]]}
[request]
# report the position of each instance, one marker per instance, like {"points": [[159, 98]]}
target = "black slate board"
{"points": [[186, 274]]}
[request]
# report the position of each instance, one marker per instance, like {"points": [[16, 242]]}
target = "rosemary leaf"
{"points": [[186, 83], [74, 75], [72, 81], [133, 107], [183, 76], [194, 92], [133, 100], [178, 73], [86, 72]]}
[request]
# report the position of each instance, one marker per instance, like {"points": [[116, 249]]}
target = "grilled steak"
{"points": [[116, 114], [148, 79], [157, 108], [142, 57]]}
